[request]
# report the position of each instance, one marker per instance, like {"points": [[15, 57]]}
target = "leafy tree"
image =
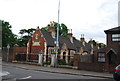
{"points": [[45, 28], [24, 38], [7, 36], [22, 31], [28, 31], [63, 30]]}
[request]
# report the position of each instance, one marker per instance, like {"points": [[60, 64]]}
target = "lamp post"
{"points": [[57, 37]]}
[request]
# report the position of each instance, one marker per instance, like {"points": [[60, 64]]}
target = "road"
{"points": [[22, 74]]}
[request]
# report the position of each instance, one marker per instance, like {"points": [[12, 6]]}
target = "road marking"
{"points": [[26, 77], [3, 73]]}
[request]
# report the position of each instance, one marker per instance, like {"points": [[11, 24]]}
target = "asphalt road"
{"points": [[29, 75]]}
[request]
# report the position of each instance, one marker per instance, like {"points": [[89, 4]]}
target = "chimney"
{"points": [[70, 35], [51, 29], [82, 39], [97, 44], [91, 43], [102, 46], [37, 27]]}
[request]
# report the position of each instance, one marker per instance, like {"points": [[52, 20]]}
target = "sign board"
{"points": [[8, 46]]}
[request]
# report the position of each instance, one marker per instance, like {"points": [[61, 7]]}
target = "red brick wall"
{"points": [[36, 48], [76, 60], [114, 45], [111, 44]]}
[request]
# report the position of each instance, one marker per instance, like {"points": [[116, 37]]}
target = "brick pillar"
{"points": [[15, 50], [76, 61]]}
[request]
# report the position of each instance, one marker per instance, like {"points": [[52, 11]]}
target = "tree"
{"points": [[29, 32], [101, 45], [22, 31], [7, 36], [24, 38], [63, 30]]}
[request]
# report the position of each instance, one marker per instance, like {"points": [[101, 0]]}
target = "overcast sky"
{"points": [[88, 17]]}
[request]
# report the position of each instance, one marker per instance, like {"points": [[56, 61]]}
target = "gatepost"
{"points": [[53, 60], [40, 60], [76, 61]]}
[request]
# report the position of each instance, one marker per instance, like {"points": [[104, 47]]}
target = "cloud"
{"points": [[89, 17]]}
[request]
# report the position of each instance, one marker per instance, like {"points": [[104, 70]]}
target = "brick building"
{"points": [[110, 56], [44, 41]]}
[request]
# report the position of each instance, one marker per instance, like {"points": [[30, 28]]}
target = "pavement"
{"points": [[37, 67]]}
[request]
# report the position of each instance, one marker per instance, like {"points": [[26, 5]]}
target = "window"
{"points": [[115, 37], [51, 51], [36, 37], [101, 57]]}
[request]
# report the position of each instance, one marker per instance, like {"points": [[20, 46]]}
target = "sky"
{"points": [[88, 17]]}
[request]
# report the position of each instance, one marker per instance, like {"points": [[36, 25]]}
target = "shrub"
{"points": [[61, 62], [70, 63]]}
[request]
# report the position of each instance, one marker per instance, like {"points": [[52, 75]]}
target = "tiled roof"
{"points": [[48, 38], [87, 47], [66, 40], [113, 30], [76, 45]]}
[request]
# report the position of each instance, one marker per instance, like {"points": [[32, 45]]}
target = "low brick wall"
{"points": [[99, 67]]}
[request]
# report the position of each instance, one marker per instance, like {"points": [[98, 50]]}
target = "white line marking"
{"points": [[4, 73], [23, 67], [26, 77]]}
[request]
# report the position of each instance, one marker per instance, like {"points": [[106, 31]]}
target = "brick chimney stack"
{"points": [[97, 44], [70, 35], [51, 29], [82, 39], [37, 27], [91, 43]]}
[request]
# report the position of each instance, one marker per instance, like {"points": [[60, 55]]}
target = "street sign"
{"points": [[8, 46]]}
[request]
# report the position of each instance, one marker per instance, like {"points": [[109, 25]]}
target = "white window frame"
{"points": [[115, 37], [101, 57]]}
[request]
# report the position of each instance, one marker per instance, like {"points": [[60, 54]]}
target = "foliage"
{"points": [[61, 62], [70, 63], [102, 45], [44, 28], [24, 38], [47, 63], [28, 31], [63, 30], [99, 44], [7, 36], [23, 41]]}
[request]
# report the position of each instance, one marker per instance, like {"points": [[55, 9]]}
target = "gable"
{"points": [[111, 50], [64, 47]]}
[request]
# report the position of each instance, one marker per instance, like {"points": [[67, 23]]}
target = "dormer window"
{"points": [[115, 37]]}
